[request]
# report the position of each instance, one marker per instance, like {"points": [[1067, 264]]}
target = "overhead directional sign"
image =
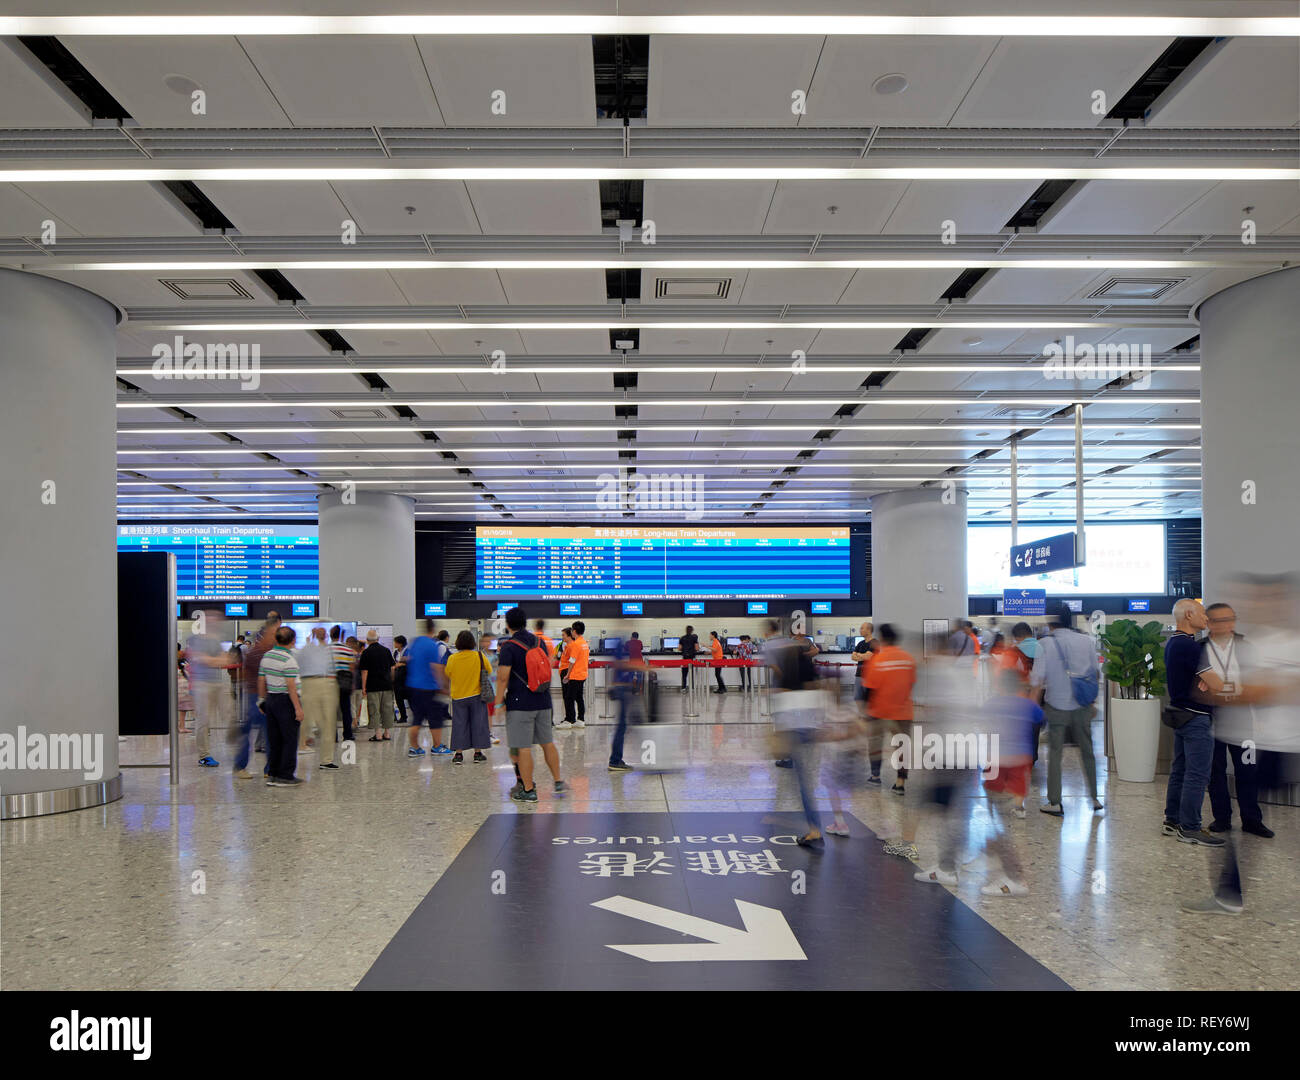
{"points": [[1024, 602], [766, 934], [1044, 556], [688, 900]]}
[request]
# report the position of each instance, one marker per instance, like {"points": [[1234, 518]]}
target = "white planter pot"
{"points": [[1135, 733]]}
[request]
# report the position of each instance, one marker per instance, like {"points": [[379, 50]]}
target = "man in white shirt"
{"points": [[1221, 658]]}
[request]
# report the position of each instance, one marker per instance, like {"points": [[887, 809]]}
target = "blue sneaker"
{"points": [[443, 749], [415, 751], [209, 762]]}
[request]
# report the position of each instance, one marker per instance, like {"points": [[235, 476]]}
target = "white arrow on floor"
{"points": [[766, 934]]}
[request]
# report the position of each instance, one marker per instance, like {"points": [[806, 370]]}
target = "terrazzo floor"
{"points": [[221, 883]]}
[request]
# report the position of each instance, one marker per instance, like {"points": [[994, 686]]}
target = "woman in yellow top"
{"points": [[469, 713], [715, 643]]}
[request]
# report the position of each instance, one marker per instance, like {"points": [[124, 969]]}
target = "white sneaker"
{"points": [[837, 829], [580, 723], [1004, 886], [936, 876], [1019, 811], [563, 724]]}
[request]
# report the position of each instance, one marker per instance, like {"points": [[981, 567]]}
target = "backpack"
{"points": [[1085, 687], [537, 665]]}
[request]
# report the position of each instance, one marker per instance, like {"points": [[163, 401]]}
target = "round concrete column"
{"points": [[1250, 387], [918, 557], [367, 558], [58, 554]]}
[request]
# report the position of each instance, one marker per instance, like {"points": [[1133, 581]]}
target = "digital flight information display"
{"points": [[661, 562], [235, 562]]}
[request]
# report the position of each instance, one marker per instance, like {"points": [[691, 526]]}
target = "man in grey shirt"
{"points": [[1065, 652]]}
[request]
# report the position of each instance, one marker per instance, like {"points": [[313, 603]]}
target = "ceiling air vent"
{"points": [[1024, 412], [1131, 288], [692, 288], [361, 414], [206, 288]]}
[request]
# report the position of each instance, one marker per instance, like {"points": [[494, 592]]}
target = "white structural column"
{"points": [[1250, 390], [918, 557], [367, 558], [58, 549]]}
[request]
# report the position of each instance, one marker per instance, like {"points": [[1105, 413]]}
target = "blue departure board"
{"points": [[605, 563], [234, 562]]}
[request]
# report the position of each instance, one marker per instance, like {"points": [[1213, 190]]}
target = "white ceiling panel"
{"points": [[954, 341], [707, 207], [1250, 82], [897, 287], [1049, 82], [795, 286], [279, 207], [805, 206], [939, 73], [320, 81], [1033, 342], [776, 345], [479, 342], [1034, 286], [656, 342], [1224, 207], [856, 342], [534, 287], [566, 342], [393, 343], [982, 207], [547, 81], [674, 382], [133, 69], [132, 209], [409, 206], [280, 343], [26, 99], [738, 382], [1123, 206], [23, 215], [435, 287], [347, 286], [537, 208], [716, 81]]}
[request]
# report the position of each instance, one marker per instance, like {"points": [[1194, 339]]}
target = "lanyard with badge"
{"points": [[1229, 687]]}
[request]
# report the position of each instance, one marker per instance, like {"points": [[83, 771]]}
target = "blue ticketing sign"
{"points": [[821, 607], [1024, 602], [1139, 605], [631, 609], [570, 609], [1044, 556], [693, 607], [309, 610], [430, 610], [236, 609], [756, 607]]}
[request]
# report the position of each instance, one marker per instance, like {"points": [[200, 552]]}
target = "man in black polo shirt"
{"points": [[376, 671], [687, 647], [1189, 774]]}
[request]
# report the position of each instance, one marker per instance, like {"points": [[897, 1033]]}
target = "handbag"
{"points": [[486, 691], [1175, 716], [1084, 687]]}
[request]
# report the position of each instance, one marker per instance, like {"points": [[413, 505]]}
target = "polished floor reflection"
{"points": [[224, 883]]}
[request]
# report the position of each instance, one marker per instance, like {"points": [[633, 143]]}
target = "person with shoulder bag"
{"points": [[469, 676]]}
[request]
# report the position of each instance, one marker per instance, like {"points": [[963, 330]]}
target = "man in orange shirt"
{"points": [[573, 670], [889, 676], [715, 646]]}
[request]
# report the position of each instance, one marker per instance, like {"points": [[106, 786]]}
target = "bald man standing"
{"points": [[1189, 774]]}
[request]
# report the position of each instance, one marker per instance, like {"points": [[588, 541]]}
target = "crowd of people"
{"points": [[963, 722]]}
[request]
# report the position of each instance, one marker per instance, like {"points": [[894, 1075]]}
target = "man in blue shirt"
{"points": [[1189, 774], [1063, 654], [426, 677]]}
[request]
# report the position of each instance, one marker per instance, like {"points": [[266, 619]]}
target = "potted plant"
{"points": [[1134, 659]]}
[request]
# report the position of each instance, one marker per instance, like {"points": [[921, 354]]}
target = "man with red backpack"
{"points": [[524, 684]]}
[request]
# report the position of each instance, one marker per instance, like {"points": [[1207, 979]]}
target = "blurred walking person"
{"points": [[320, 694], [376, 667], [254, 719]]}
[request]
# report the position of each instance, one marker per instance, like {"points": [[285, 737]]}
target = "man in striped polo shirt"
{"points": [[345, 666], [277, 691]]}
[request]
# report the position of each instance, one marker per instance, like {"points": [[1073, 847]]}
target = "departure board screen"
{"points": [[661, 562], [234, 562]]}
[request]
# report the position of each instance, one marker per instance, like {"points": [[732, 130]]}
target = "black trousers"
{"points": [[399, 694], [345, 711], [281, 737], [722, 687], [573, 699], [1247, 786], [686, 672]]}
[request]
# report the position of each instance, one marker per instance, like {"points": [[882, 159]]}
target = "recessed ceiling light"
{"points": [[980, 434], [180, 84], [890, 84]]}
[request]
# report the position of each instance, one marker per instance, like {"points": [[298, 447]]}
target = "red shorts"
{"points": [[1011, 780]]}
